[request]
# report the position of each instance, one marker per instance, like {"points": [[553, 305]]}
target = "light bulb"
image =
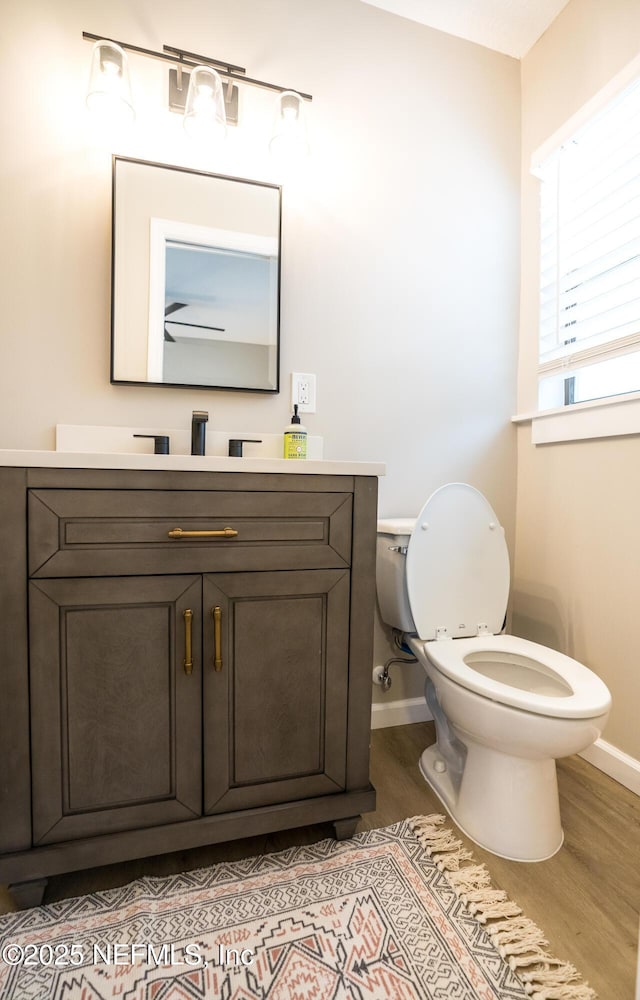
{"points": [[109, 93], [204, 114], [289, 141]]}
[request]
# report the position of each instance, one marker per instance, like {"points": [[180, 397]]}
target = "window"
{"points": [[590, 258]]}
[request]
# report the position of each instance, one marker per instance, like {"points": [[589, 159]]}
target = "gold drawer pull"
{"points": [[220, 533], [216, 614], [188, 656]]}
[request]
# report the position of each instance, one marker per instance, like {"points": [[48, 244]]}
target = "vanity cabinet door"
{"points": [[275, 681], [115, 716]]}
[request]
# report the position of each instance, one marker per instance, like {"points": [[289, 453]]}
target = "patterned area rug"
{"points": [[401, 913]]}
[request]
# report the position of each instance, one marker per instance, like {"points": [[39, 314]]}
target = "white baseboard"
{"points": [[617, 764], [399, 713]]}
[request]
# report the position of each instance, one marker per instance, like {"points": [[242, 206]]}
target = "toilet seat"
{"points": [[580, 694], [457, 575]]}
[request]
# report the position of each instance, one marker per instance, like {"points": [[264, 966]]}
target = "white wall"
{"points": [[400, 243], [578, 534]]}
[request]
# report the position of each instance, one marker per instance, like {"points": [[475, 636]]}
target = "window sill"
{"points": [[597, 418]]}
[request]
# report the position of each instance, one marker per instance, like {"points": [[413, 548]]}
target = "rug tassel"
{"points": [[451, 862], [421, 824], [559, 983], [531, 940], [484, 896], [474, 877], [443, 840], [483, 913], [565, 993], [561, 973], [510, 930], [529, 957], [518, 940], [443, 846]]}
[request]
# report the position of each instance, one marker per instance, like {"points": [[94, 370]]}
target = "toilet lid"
{"points": [[457, 566]]}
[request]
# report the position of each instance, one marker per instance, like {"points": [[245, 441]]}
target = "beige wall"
{"points": [[400, 244], [576, 581]]}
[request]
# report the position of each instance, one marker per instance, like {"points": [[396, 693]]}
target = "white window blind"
{"points": [[590, 258]]}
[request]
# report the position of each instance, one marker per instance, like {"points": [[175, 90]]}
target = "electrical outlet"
{"points": [[303, 392]]}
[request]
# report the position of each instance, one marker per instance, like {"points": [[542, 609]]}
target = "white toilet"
{"points": [[505, 708]]}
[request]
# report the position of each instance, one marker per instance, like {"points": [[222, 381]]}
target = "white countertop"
{"points": [[185, 463]]}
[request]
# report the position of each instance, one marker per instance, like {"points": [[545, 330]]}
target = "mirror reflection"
{"points": [[196, 265]]}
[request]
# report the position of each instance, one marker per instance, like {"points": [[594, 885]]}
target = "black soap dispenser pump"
{"points": [[198, 431]]}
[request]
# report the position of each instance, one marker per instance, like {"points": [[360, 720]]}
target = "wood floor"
{"points": [[586, 898]]}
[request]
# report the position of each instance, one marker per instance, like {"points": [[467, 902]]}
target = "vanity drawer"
{"points": [[126, 532]]}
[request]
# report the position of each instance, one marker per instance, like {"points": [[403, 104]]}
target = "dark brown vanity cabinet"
{"points": [[115, 720], [275, 712], [173, 688]]}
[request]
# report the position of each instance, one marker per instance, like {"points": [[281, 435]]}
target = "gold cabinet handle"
{"points": [[216, 614], [220, 533], [188, 656]]}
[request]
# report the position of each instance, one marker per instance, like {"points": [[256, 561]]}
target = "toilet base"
{"points": [[507, 805]]}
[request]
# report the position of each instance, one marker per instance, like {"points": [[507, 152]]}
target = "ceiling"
{"points": [[509, 26]]}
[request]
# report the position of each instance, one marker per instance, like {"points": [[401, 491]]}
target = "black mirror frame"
{"points": [[184, 385]]}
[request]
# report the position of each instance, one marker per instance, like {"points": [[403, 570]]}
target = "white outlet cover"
{"points": [[303, 392]]}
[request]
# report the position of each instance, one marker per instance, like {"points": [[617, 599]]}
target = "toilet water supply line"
{"points": [[381, 674]]}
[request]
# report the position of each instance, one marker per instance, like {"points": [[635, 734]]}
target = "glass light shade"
{"points": [[109, 93], [289, 140], [205, 117]]}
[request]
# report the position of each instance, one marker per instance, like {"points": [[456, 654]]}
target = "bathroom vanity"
{"points": [[185, 654]]}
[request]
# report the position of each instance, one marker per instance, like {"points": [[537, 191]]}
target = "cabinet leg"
{"points": [[28, 894], [345, 828], [7, 902]]}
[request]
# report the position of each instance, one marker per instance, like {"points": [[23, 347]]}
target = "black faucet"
{"points": [[235, 445], [160, 442], [198, 430]]}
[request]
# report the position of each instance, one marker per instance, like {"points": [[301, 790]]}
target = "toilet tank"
{"points": [[391, 584]]}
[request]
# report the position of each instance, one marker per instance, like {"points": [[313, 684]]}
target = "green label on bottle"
{"points": [[295, 444]]}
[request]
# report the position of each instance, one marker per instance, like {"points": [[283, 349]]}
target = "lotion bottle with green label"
{"points": [[295, 437]]}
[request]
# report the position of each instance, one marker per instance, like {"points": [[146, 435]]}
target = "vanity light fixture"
{"points": [[109, 93], [201, 88], [289, 140], [205, 116]]}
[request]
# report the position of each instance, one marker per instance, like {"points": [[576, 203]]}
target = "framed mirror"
{"points": [[195, 293]]}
